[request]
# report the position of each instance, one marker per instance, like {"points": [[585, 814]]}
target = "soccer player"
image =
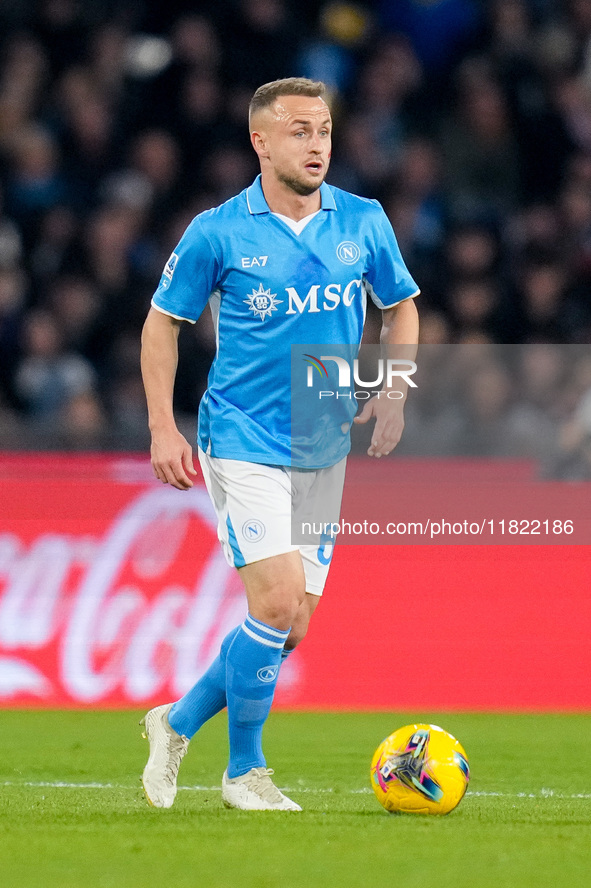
{"points": [[289, 260]]}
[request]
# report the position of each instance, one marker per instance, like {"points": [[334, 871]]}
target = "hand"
{"points": [[172, 458], [389, 417]]}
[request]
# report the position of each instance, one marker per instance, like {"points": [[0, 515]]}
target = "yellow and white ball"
{"points": [[420, 769]]}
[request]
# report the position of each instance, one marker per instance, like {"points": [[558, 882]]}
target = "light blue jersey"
{"points": [[270, 287]]}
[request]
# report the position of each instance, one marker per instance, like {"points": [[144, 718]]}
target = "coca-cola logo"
{"points": [[131, 614]]}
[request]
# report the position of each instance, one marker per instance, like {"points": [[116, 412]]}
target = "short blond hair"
{"points": [[288, 86]]}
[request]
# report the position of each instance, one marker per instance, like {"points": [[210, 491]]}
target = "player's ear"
{"points": [[259, 143]]}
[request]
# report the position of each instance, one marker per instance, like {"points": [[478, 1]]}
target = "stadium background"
{"points": [[119, 122]]}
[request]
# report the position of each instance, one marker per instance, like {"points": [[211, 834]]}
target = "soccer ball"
{"points": [[420, 769]]}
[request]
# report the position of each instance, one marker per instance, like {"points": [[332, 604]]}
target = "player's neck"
{"points": [[282, 199]]}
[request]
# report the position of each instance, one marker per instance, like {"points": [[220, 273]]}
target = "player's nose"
{"points": [[316, 143]]}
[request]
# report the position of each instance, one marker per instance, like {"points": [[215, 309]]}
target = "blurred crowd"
{"points": [[515, 402], [470, 120]]}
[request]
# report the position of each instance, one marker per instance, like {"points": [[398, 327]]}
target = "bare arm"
{"points": [[171, 453], [399, 337], [400, 327]]}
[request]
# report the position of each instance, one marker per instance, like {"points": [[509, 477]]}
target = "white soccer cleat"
{"points": [[167, 749], [255, 791]]}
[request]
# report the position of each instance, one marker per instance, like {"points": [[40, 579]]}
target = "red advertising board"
{"points": [[114, 592]]}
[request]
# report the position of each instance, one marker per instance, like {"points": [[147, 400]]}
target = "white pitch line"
{"points": [[60, 784]]}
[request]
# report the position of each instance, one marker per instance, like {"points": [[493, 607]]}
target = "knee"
{"points": [[279, 615], [280, 608], [299, 628], [275, 589]]}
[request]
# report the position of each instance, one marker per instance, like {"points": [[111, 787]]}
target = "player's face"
{"points": [[296, 141]]}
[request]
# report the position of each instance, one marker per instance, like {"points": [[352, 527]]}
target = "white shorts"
{"points": [[254, 507]]}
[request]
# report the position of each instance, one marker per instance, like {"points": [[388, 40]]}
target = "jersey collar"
{"points": [[257, 204]]}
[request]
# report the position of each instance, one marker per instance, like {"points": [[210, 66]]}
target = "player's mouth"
{"points": [[315, 166]]}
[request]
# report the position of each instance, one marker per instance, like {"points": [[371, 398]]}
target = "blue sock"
{"points": [[252, 666], [206, 697]]}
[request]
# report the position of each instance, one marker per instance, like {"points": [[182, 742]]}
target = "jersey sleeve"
{"points": [[388, 280], [189, 276]]}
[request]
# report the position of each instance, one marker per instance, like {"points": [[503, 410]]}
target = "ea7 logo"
{"points": [[254, 262]]}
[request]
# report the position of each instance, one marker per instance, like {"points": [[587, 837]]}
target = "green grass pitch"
{"points": [[525, 821]]}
